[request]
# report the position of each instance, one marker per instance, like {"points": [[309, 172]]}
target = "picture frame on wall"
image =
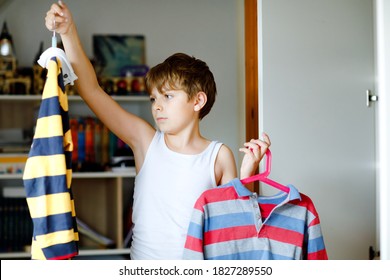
{"points": [[114, 52]]}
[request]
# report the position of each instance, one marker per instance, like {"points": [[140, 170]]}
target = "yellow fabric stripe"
{"points": [[50, 204], [73, 208], [36, 251], [76, 236], [49, 127], [69, 178], [58, 237], [51, 84], [47, 166], [68, 144]]}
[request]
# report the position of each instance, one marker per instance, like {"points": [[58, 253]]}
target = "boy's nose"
{"points": [[157, 106]]}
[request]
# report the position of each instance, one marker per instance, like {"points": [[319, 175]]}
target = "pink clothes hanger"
{"points": [[263, 177]]}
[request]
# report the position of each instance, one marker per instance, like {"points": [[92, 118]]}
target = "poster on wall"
{"points": [[112, 53]]}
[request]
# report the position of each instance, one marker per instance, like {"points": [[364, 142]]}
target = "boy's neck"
{"points": [[186, 143]]}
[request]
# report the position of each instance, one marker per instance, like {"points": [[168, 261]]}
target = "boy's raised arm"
{"points": [[130, 128]]}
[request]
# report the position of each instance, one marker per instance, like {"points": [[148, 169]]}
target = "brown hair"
{"points": [[183, 72]]}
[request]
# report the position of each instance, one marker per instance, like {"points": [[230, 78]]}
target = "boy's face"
{"points": [[172, 111]]}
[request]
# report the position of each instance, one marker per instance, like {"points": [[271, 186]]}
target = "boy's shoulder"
{"points": [[225, 165]]}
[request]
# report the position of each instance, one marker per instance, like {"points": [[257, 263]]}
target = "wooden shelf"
{"points": [[119, 98], [86, 175], [82, 253]]}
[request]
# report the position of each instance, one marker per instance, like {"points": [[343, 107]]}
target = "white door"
{"points": [[317, 63]]}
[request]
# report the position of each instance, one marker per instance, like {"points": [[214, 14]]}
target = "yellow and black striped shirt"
{"points": [[48, 174]]}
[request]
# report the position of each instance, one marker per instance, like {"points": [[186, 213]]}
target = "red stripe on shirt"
{"points": [[229, 234], [282, 235], [217, 195], [194, 244], [320, 255], [309, 205], [64, 257]]}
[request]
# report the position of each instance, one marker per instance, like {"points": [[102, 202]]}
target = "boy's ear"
{"points": [[200, 100]]}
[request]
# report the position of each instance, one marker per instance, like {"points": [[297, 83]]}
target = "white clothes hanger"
{"points": [[67, 71]]}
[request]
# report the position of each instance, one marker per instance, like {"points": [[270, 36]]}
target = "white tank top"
{"points": [[166, 189]]}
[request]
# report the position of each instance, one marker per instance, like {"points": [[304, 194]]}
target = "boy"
{"points": [[174, 164]]}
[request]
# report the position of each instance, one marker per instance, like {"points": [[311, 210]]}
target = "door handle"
{"points": [[370, 97]]}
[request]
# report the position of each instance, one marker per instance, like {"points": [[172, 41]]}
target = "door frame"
{"points": [[251, 77], [251, 71]]}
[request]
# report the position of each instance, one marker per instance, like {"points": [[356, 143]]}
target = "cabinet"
{"points": [[101, 198]]}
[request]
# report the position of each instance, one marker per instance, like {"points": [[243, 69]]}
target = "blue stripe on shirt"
{"points": [[45, 185], [49, 107], [52, 223], [286, 222], [315, 245], [228, 220], [195, 230], [56, 250], [47, 146]]}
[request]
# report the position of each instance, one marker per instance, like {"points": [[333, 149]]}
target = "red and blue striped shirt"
{"points": [[230, 222]]}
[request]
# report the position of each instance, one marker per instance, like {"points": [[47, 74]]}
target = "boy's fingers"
{"points": [[56, 9], [266, 138], [260, 143]]}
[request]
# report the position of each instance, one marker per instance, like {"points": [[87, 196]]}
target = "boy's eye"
{"points": [[152, 99], [168, 96]]}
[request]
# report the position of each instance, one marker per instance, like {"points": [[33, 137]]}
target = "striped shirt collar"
{"points": [[242, 191]]}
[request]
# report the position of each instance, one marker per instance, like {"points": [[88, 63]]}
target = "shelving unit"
{"points": [[98, 196], [98, 200]]}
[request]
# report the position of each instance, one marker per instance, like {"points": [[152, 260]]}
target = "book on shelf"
{"points": [[89, 140], [97, 148], [73, 123], [100, 239], [80, 142]]}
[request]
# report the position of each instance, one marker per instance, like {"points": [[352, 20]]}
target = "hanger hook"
{"points": [[54, 39]]}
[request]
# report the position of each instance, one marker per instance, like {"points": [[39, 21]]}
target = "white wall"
{"points": [[207, 29]]}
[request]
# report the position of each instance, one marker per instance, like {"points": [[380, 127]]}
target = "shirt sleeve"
{"points": [[315, 245], [193, 248]]}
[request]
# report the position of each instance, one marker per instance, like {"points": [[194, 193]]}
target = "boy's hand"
{"points": [[254, 151], [59, 18]]}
